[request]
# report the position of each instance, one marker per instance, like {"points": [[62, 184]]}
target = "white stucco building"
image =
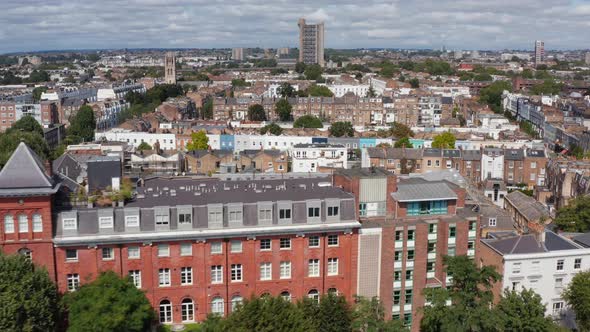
{"points": [[492, 164], [135, 138], [308, 157]]}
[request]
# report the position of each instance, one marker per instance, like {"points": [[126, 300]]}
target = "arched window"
{"points": [[235, 302], [26, 252], [188, 310], [314, 295], [37, 223], [23, 223], [286, 296], [8, 223], [165, 311], [217, 306], [333, 291]]}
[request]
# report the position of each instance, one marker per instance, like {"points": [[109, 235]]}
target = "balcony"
{"points": [[431, 236]]}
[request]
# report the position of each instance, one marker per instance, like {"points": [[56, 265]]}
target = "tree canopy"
{"points": [[37, 92], [308, 121], [523, 311], [339, 129], [492, 95], [286, 90], [144, 146], [444, 140], [283, 109], [28, 296], [403, 142], [548, 87], [272, 128], [256, 113], [414, 83], [109, 303], [10, 140], [400, 130], [319, 91], [574, 217], [27, 124], [199, 141], [369, 316], [82, 125], [577, 295], [313, 72]]}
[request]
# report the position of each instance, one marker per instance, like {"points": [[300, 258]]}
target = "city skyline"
{"points": [[57, 25]]}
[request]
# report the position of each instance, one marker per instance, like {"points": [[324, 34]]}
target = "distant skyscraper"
{"points": [[282, 51], [539, 52], [237, 54], [587, 58], [170, 68], [311, 42]]}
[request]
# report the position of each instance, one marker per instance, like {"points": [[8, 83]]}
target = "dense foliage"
{"points": [[256, 113], [28, 297], [577, 295], [403, 142], [574, 217], [339, 129], [319, 91], [283, 109], [272, 128], [83, 124], [109, 303], [199, 141], [400, 130], [308, 121], [444, 140], [492, 95]]}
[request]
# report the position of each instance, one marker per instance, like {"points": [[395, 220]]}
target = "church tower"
{"points": [[170, 68]]}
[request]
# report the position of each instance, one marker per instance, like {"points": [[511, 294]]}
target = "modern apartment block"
{"points": [[539, 52], [311, 42], [408, 225], [170, 68], [195, 245], [237, 54]]}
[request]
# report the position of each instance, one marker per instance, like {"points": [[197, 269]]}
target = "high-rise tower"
{"points": [[539, 52], [170, 68], [311, 42]]}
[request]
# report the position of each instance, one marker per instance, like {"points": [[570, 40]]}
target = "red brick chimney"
{"points": [[48, 168]]}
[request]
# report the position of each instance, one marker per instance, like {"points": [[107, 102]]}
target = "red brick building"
{"points": [[195, 246]]}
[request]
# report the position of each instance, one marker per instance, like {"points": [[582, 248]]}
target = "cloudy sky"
{"points": [[459, 24]]}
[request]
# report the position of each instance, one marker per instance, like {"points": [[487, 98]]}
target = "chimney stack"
{"points": [[48, 168]]}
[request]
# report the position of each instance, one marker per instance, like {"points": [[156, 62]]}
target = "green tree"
{"points": [[37, 92], [144, 146], [577, 295], [339, 129], [239, 82], [256, 113], [283, 109], [10, 140], [483, 77], [82, 125], [272, 128], [444, 140], [199, 141], [286, 90], [313, 72], [471, 297], [207, 111], [414, 83], [371, 92], [334, 314], [300, 67], [369, 316], [109, 304], [319, 91], [492, 95], [400, 130], [28, 296], [574, 217], [27, 124], [548, 87], [308, 121], [523, 311], [403, 142]]}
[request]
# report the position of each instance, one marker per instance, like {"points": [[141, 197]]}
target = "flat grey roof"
{"points": [[413, 190], [188, 191]]}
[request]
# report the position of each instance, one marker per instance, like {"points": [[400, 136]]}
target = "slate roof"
{"points": [[536, 153], [416, 189], [583, 239], [530, 244], [514, 154], [24, 174], [472, 155], [527, 206]]}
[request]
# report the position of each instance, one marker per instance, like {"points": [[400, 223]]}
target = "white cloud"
{"points": [[463, 24]]}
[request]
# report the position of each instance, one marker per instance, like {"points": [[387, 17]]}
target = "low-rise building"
{"points": [[525, 211], [311, 157]]}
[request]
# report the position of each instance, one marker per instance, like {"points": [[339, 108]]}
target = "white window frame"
{"points": [[70, 224], [313, 267], [217, 306], [186, 249], [266, 271], [332, 242], [164, 277], [333, 266], [285, 270], [135, 276], [216, 248], [263, 248], [132, 221], [9, 224], [163, 250], [131, 250], [105, 222], [236, 246], [110, 254], [316, 239], [285, 240], [73, 281], [37, 223], [237, 273], [492, 222], [217, 274], [73, 259], [186, 275]]}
